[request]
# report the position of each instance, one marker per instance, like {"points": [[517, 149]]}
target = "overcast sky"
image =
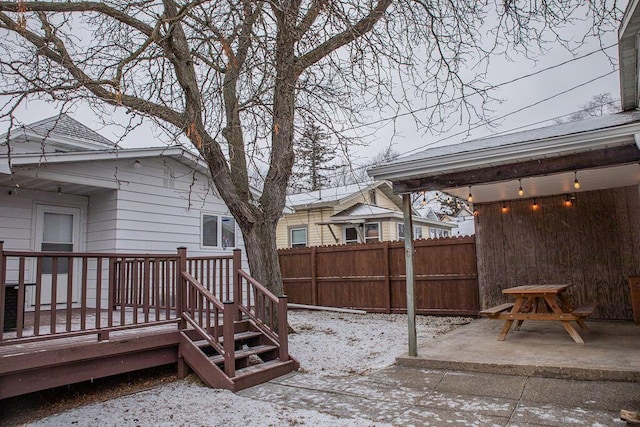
{"points": [[514, 97]]}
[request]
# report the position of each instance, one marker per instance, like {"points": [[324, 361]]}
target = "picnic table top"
{"points": [[537, 289]]}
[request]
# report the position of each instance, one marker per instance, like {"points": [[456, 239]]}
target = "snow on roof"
{"points": [[328, 195], [364, 209], [557, 130], [67, 127]]}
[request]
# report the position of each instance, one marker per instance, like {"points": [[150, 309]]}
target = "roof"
{"points": [[334, 195], [65, 127], [628, 56], [363, 212], [541, 143]]}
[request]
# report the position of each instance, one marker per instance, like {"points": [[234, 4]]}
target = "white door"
{"points": [[57, 230]]}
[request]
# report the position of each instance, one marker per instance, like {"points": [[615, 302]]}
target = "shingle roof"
{"points": [[325, 195], [65, 126], [557, 130], [363, 209]]}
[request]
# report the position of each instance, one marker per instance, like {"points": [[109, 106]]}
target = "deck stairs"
{"points": [[255, 358]]}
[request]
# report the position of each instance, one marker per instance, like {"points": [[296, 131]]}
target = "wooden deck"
{"points": [[141, 311]]}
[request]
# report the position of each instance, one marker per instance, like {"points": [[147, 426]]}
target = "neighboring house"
{"points": [[464, 219], [353, 213], [64, 187]]}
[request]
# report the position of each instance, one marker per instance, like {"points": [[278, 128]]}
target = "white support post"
{"points": [[408, 255]]}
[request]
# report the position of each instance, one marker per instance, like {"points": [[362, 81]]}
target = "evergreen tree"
{"points": [[314, 154]]}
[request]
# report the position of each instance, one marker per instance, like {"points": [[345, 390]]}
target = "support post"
{"points": [[283, 328], [181, 285], [237, 283], [228, 332], [408, 256]]}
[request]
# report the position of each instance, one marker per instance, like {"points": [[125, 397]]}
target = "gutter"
{"points": [[506, 154]]}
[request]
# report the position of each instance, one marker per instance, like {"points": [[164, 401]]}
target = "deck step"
{"points": [[259, 374], [239, 336], [245, 352]]}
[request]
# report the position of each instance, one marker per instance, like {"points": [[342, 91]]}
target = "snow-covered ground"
{"points": [[326, 344]]}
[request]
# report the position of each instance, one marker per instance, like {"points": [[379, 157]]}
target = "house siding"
{"points": [[101, 222], [320, 235]]}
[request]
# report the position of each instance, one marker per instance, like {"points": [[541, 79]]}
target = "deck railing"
{"points": [[98, 293]]}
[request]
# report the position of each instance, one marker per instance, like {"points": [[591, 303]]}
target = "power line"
{"points": [[484, 123], [480, 124], [491, 87]]}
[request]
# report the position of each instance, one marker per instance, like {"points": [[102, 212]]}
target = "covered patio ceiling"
{"points": [[551, 184]]}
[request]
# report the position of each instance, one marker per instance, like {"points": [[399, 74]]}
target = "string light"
{"points": [[470, 196], [520, 190], [576, 183]]}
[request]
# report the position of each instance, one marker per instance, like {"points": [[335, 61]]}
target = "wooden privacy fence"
{"points": [[371, 276]]}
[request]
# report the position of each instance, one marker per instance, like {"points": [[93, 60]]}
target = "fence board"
{"points": [[372, 276]]}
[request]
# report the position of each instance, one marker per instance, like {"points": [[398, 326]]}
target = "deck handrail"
{"points": [[268, 311], [202, 311], [117, 291]]}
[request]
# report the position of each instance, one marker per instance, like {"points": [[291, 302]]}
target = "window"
{"points": [[218, 231], [351, 235], [372, 196], [298, 237], [368, 232], [57, 236], [417, 231], [438, 232], [372, 232]]}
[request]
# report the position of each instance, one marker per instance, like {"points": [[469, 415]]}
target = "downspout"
{"points": [[408, 256]]}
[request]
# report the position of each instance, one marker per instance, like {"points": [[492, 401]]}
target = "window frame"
{"points": [[306, 236], [220, 218]]}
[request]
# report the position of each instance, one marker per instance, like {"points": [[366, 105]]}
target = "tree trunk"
{"points": [[262, 254]]}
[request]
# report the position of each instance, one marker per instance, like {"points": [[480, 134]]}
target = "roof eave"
{"points": [[512, 153]]}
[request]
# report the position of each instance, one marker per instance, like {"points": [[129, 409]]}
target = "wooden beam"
{"points": [[592, 159]]}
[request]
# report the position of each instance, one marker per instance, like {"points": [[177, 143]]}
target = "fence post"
{"points": [[228, 332], [3, 274], [387, 274], [181, 285], [314, 276], [283, 328], [237, 284]]}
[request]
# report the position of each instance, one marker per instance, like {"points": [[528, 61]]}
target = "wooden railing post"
{"points": [[3, 281], [228, 332], [283, 328], [182, 286], [237, 283]]}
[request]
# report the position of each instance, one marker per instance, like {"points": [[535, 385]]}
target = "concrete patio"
{"points": [[611, 351]]}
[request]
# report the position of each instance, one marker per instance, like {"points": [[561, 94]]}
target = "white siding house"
{"points": [[64, 187]]}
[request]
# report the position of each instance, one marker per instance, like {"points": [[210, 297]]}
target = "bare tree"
{"points": [[348, 174], [599, 105], [229, 75]]}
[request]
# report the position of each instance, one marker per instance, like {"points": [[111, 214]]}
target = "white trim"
{"points": [[508, 153], [220, 217]]}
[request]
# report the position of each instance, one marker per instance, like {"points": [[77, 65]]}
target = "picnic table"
{"points": [[540, 302]]}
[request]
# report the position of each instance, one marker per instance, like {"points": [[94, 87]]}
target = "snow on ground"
{"points": [[326, 344]]}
